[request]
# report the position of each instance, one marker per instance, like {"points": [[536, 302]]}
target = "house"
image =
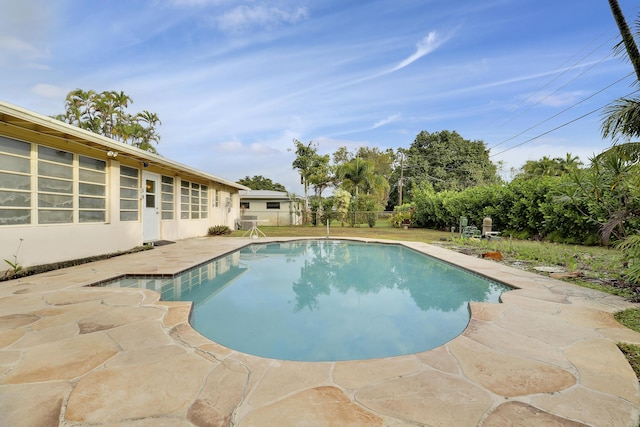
{"points": [[66, 193], [270, 207]]}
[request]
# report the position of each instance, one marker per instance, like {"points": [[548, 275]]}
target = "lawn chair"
{"points": [[471, 231]]}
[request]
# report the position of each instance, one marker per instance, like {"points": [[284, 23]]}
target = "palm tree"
{"points": [[570, 163], [627, 39], [118, 102], [622, 117], [104, 113], [355, 174], [151, 119], [80, 108]]}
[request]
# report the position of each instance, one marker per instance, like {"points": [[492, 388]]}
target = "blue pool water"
{"points": [[324, 300]]}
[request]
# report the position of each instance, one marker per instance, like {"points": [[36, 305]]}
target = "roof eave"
{"points": [[22, 118]]}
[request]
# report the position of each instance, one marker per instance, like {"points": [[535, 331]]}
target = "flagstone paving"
{"points": [[72, 355]]}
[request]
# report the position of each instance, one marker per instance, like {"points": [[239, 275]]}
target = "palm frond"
{"points": [[626, 152], [622, 119]]}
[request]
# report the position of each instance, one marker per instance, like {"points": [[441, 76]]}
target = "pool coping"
{"points": [[71, 355]]}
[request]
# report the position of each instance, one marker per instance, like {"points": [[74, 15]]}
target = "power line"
{"points": [[554, 129], [564, 71], [539, 101], [547, 132], [563, 111]]}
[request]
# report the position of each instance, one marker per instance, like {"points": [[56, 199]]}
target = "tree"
{"points": [[342, 155], [321, 176], [341, 201], [570, 162], [622, 117], [610, 190], [366, 170], [259, 182], [105, 114], [627, 39], [620, 163], [144, 136], [449, 162], [355, 175], [550, 167], [303, 162], [314, 168]]}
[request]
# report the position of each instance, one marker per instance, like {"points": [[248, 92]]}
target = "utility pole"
{"points": [[401, 178]]}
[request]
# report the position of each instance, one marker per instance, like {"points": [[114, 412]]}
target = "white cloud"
{"points": [[50, 91], [518, 78], [243, 17], [386, 121], [196, 3], [424, 47], [259, 148], [15, 49], [229, 147], [555, 99]]}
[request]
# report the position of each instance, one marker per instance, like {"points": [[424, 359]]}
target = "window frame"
{"points": [[194, 200], [58, 186], [167, 198], [21, 212], [84, 183], [129, 194]]}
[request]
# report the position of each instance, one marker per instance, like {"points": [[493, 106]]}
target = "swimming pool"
{"points": [[326, 300]]}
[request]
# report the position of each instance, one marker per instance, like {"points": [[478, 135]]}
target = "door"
{"points": [[151, 207]]}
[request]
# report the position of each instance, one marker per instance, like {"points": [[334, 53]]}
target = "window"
{"points": [[167, 198], [55, 186], [194, 200], [273, 205], [129, 188], [216, 198], [150, 193], [15, 182], [92, 190], [184, 200], [204, 201], [244, 205]]}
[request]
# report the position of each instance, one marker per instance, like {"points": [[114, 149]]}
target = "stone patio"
{"points": [[77, 356]]}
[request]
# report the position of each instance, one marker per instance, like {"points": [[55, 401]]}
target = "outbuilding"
{"points": [[270, 208]]}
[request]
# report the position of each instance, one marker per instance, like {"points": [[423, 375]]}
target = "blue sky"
{"points": [[234, 82]]}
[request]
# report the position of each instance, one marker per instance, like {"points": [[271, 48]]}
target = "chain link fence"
{"points": [[349, 219]]}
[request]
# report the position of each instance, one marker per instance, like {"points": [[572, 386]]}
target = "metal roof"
{"points": [[267, 194]]}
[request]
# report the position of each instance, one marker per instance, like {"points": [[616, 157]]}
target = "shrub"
{"points": [[218, 230], [402, 215], [630, 248]]}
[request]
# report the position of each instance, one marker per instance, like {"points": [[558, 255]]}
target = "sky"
{"points": [[234, 82]]}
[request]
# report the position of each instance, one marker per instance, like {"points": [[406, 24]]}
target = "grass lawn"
{"points": [[631, 319], [599, 266], [378, 232]]}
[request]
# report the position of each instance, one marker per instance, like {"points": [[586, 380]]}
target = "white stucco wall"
{"points": [[56, 243]]}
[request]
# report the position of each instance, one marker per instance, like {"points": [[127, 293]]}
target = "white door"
{"points": [[150, 207]]}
